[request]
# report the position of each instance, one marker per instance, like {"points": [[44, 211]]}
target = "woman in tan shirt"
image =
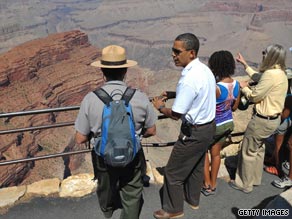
{"points": [[268, 97]]}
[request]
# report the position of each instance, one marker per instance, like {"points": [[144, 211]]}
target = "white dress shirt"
{"points": [[196, 94]]}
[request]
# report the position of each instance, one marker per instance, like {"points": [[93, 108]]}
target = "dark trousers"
{"points": [[184, 172], [120, 188]]}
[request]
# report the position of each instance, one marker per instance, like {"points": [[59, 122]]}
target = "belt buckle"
{"points": [[272, 117]]}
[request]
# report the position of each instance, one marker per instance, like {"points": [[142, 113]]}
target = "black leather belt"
{"points": [[266, 117]]}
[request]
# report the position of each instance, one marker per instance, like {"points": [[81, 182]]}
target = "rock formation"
{"points": [[46, 73]]}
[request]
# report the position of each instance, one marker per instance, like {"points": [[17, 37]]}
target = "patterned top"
{"points": [[228, 94]]}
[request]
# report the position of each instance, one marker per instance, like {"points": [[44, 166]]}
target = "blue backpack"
{"points": [[118, 143]]}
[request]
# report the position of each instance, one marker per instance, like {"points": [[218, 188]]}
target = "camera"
{"points": [[169, 95]]}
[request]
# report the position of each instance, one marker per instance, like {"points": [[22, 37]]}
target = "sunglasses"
{"points": [[177, 51]]}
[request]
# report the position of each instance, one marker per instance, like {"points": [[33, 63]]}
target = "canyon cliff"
{"points": [[46, 73]]}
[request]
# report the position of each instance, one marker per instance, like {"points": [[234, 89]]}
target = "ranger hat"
{"points": [[114, 56]]}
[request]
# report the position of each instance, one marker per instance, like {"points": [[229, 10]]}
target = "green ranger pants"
{"points": [[120, 188]]}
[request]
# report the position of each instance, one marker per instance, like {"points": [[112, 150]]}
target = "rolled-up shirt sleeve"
{"points": [[253, 74], [184, 98], [258, 92]]}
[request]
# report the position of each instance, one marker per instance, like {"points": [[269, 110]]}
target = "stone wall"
{"points": [[74, 186]]}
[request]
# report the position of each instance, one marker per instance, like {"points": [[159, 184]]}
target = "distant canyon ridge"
{"points": [[148, 28]]}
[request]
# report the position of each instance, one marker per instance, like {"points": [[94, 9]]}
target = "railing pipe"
{"points": [[3, 163], [57, 125], [31, 112], [58, 109]]}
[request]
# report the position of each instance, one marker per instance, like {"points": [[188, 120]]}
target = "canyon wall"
{"points": [[46, 73]]}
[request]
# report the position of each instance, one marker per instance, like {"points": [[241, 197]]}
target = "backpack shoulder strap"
{"points": [[127, 95], [103, 96]]}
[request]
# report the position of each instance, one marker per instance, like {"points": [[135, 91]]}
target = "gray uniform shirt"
{"points": [[90, 114]]}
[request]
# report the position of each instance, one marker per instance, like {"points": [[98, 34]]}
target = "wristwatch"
{"points": [[161, 107]]}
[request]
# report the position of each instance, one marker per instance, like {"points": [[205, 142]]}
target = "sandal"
{"points": [[208, 191], [271, 170]]}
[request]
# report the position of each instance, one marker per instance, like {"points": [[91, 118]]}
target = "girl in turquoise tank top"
{"points": [[222, 64]]}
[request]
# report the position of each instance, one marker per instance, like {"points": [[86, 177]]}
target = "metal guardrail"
{"points": [[40, 111], [9, 162], [32, 112], [57, 125]]}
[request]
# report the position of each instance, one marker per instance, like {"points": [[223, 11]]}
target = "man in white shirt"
{"points": [[195, 104]]}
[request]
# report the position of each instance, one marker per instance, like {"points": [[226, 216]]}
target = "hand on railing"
{"points": [[167, 94]]}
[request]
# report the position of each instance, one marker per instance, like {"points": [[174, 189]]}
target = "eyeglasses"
{"points": [[177, 51]]}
